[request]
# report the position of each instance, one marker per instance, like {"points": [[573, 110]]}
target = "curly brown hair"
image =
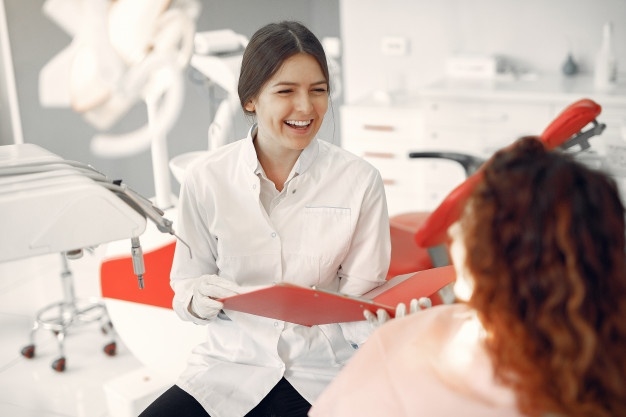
{"points": [[545, 242]]}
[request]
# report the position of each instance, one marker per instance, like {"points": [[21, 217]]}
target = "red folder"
{"points": [[310, 306]]}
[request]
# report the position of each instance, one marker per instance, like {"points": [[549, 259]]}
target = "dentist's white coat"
{"points": [[328, 227]]}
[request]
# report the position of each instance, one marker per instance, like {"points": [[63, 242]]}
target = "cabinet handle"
{"points": [[386, 155], [379, 128], [389, 181], [490, 118]]}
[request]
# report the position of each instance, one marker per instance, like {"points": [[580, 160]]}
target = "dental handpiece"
{"points": [[137, 257]]}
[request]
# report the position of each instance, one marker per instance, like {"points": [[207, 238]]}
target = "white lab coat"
{"points": [[329, 227]]}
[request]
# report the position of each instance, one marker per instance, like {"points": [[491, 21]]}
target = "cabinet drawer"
{"points": [[426, 197], [481, 143], [415, 184], [394, 169], [415, 174], [527, 118], [379, 128]]}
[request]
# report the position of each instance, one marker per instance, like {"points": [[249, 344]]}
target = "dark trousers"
{"points": [[282, 401]]}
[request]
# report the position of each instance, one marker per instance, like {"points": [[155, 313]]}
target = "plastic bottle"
{"points": [[605, 75]]}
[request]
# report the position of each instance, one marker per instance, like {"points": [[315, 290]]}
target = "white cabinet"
{"points": [[480, 117], [475, 117], [384, 135], [483, 116], [479, 127]]}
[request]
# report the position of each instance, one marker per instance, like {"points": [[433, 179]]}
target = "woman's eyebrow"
{"points": [[292, 83]]}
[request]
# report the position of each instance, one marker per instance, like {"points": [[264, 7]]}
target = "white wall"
{"points": [[533, 33]]}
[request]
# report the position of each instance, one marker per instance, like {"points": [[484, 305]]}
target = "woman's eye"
{"points": [[284, 91], [320, 90]]}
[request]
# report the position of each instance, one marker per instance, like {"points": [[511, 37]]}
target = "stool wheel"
{"points": [[110, 349], [28, 351], [106, 328], [59, 364]]}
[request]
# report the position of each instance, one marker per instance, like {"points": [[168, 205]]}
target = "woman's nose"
{"points": [[303, 102]]}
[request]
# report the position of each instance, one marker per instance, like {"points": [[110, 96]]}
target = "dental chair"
{"points": [[406, 255], [418, 239]]}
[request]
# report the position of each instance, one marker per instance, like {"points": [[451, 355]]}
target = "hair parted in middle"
{"points": [[268, 49]]}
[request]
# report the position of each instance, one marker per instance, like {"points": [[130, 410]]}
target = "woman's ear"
{"points": [[249, 106]]}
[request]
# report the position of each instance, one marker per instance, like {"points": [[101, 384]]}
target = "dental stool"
{"points": [[70, 312]]}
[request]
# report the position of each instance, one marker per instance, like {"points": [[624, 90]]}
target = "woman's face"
{"points": [[291, 105], [464, 284]]}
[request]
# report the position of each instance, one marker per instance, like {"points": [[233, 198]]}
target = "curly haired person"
{"points": [[538, 329]]}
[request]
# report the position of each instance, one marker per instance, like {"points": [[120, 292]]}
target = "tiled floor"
{"points": [[30, 387]]}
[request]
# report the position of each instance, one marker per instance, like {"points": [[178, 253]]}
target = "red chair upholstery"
{"points": [[118, 281], [406, 255]]}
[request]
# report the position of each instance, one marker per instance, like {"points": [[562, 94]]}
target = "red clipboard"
{"points": [[310, 306]]}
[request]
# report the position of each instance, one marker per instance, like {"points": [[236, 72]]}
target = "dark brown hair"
{"points": [[268, 49], [546, 247]]}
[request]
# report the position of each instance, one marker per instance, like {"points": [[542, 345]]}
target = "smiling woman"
{"points": [[289, 100], [289, 110], [265, 209]]}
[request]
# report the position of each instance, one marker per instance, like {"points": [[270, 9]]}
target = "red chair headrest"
{"points": [[569, 122]]}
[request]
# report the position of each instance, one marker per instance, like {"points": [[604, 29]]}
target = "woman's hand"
{"points": [[207, 290], [381, 316]]}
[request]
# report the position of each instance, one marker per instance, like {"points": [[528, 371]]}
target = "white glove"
{"points": [[381, 316], [206, 292]]}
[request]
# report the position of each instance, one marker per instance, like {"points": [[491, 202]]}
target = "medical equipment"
{"points": [[418, 238], [565, 132], [123, 52], [57, 205], [54, 205], [217, 57]]}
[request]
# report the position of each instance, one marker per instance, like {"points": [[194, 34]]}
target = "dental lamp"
{"points": [[123, 52]]}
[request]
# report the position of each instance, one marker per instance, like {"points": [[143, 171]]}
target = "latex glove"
{"points": [[206, 292], [381, 316]]}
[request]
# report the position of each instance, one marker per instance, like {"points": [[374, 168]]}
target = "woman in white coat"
{"points": [[277, 206]]}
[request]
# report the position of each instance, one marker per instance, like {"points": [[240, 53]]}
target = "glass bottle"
{"points": [[605, 75]]}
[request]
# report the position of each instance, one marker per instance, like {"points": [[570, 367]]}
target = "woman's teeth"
{"points": [[298, 123]]}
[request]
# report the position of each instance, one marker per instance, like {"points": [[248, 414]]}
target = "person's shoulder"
{"points": [[437, 318]]}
